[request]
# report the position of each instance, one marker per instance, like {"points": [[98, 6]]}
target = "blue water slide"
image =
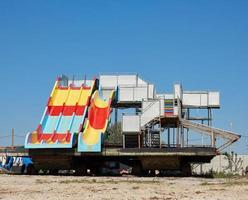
{"points": [[64, 124], [50, 123]]}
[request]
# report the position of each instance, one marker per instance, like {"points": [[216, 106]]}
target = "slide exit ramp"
{"points": [[63, 117], [91, 139], [228, 136]]}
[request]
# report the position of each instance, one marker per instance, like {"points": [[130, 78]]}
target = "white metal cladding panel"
{"points": [[111, 81], [191, 99], [126, 94], [141, 82], [140, 93], [178, 91], [108, 81], [214, 99], [132, 93], [151, 110], [208, 99], [127, 80], [151, 92], [130, 123], [204, 99]]}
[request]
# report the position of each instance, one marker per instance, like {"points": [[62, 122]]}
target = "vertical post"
{"points": [[141, 139], [123, 141], [85, 79], [188, 116], [173, 137], [144, 137], [160, 133], [210, 124], [12, 137], [178, 135], [182, 136], [211, 119], [208, 117], [202, 135], [187, 137], [148, 137], [213, 139], [73, 79], [116, 125], [168, 136]]}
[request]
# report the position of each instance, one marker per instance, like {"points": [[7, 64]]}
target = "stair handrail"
{"points": [[150, 105], [229, 135]]}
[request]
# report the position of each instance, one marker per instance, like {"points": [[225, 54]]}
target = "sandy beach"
{"points": [[168, 188]]}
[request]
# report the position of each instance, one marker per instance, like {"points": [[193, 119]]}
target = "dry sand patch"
{"points": [[70, 187]]}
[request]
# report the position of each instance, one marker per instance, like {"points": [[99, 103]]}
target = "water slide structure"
{"points": [[63, 117], [78, 112], [90, 140]]}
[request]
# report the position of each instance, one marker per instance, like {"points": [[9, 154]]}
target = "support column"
{"points": [[149, 137], [208, 117], [188, 116], [182, 136], [168, 136], [213, 139], [211, 117], [123, 141], [178, 135], [202, 136], [116, 120], [173, 137], [12, 137], [160, 141], [187, 137], [160, 134]]}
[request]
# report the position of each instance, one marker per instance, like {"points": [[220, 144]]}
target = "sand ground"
{"points": [[70, 187]]}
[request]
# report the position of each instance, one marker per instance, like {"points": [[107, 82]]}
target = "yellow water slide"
{"points": [[96, 125]]}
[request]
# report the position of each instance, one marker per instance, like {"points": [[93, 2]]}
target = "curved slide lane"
{"points": [[90, 139], [63, 117]]}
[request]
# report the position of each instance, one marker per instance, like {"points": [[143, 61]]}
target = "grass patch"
{"points": [[41, 181], [224, 175], [205, 183], [235, 182], [92, 181], [227, 182], [213, 174], [216, 189]]}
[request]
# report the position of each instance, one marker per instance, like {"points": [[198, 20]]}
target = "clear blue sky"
{"points": [[203, 44]]}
